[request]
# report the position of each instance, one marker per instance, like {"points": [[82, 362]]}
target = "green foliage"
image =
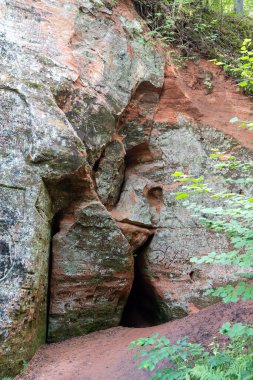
{"points": [[181, 356], [228, 6], [232, 214], [245, 69], [243, 123], [195, 28], [185, 360], [242, 69]]}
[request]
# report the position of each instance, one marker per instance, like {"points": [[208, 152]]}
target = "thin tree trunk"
{"points": [[238, 6]]}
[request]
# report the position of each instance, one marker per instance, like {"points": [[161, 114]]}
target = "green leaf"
{"points": [[243, 84], [234, 120], [182, 195], [177, 174]]}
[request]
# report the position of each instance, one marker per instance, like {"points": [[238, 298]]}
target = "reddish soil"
{"points": [[104, 355], [186, 92]]}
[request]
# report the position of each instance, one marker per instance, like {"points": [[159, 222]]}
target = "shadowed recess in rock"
{"points": [[144, 307], [55, 228]]}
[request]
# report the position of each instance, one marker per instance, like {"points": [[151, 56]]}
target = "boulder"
{"points": [[92, 273]]}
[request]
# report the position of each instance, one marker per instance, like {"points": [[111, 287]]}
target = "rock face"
{"points": [[35, 145], [91, 272], [67, 71], [89, 139], [172, 137]]}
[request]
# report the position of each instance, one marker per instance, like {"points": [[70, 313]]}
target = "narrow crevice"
{"points": [[55, 228], [96, 165], [121, 188], [138, 224], [144, 307]]}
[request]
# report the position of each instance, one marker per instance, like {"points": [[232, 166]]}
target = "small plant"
{"points": [[191, 361], [242, 68], [208, 85], [245, 69], [243, 123]]}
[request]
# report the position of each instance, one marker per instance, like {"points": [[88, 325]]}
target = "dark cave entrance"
{"points": [[144, 307]]}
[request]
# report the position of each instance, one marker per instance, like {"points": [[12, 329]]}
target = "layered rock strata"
{"points": [[89, 139], [68, 69]]}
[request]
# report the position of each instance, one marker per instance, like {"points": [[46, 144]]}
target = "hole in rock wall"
{"points": [[144, 307]]}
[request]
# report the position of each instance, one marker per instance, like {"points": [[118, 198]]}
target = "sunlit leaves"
{"points": [[232, 214], [190, 361]]}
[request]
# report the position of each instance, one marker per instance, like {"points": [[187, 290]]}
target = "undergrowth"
{"points": [[241, 68], [191, 361], [195, 30]]}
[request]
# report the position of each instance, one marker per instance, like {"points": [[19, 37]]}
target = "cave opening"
{"points": [[144, 307]]}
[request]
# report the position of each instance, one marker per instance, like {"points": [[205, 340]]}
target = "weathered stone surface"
{"points": [[140, 203], [173, 141], [81, 100], [179, 237], [110, 173], [67, 71], [111, 65], [180, 283], [92, 273], [29, 135], [25, 238], [136, 235]]}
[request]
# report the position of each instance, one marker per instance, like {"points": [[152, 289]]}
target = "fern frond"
{"points": [[203, 372]]}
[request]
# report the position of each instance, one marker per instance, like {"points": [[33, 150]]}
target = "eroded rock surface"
{"points": [[67, 71], [89, 139], [175, 140], [91, 272]]}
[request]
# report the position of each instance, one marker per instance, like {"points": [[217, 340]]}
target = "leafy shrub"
{"points": [[232, 215], [245, 69], [190, 361], [241, 68]]}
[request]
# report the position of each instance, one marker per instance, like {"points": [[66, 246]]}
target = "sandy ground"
{"points": [[104, 355]]}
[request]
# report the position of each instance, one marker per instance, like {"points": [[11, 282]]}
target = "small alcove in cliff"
{"points": [[144, 307]]}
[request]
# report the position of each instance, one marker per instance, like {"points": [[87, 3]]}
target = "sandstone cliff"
{"points": [[92, 127]]}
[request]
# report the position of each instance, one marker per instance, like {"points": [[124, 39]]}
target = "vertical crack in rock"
{"points": [[144, 306], [55, 228]]}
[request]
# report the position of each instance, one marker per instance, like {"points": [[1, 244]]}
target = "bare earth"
{"points": [[104, 355]]}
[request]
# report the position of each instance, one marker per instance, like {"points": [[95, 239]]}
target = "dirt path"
{"points": [[105, 355]]}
